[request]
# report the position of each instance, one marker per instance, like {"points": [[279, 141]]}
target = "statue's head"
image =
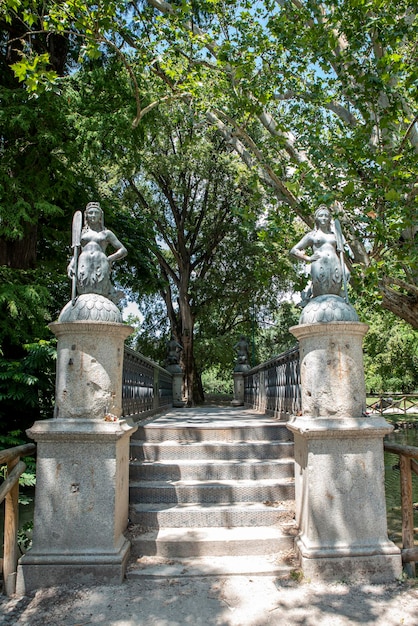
{"points": [[322, 211], [93, 212]]}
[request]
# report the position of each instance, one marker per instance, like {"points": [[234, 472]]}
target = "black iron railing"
{"points": [[146, 387], [274, 386]]}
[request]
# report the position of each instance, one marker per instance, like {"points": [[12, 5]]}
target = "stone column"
{"points": [[239, 389], [339, 466], [82, 497], [177, 374]]}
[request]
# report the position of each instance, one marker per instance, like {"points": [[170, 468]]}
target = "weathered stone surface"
{"points": [[340, 499], [339, 469], [81, 503], [82, 472], [91, 307], [177, 386], [89, 369], [239, 389], [331, 369], [328, 308]]}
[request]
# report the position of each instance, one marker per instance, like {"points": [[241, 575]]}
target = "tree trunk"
{"points": [[400, 304], [187, 329], [20, 253], [198, 392]]}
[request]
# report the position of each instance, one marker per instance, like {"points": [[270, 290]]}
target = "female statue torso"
{"points": [[326, 271]]}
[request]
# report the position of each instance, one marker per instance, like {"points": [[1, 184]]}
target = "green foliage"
{"points": [[23, 305], [391, 354], [27, 383], [216, 381], [196, 201], [316, 99], [274, 337], [28, 477]]}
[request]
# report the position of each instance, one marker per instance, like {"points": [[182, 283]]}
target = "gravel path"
{"points": [[227, 601]]}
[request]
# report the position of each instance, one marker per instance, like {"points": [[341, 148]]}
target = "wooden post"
{"points": [[407, 510], [11, 525]]}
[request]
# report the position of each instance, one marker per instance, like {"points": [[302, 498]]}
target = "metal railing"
{"points": [[408, 456], [274, 386], [9, 491], [146, 386]]}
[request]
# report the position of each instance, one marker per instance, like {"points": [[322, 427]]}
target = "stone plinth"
{"points": [[239, 384], [239, 389], [82, 475], [81, 504], [340, 500], [331, 369], [339, 463], [89, 369], [177, 374]]}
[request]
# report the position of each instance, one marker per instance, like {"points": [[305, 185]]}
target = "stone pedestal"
{"points": [[339, 467], [178, 389], [177, 374], [238, 389], [239, 385], [89, 369], [82, 497]]}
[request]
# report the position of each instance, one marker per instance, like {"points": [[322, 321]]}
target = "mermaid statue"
{"points": [[90, 268]]}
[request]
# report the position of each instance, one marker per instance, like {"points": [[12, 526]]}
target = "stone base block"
{"points": [[348, 566], [340, 499], [238, 388], [81, 504], [49, 569]]}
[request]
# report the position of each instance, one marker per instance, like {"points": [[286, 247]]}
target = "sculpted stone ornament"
{"points": [[173, 355], [243, 359], [93, 296], [323, 301]]}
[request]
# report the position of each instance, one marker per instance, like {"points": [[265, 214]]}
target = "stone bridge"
{"points": [[294, 470]]}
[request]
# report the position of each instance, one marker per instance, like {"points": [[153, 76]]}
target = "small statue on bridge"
{"points": [[241, 348], [328, 271], [90, 267], [173, 352]]}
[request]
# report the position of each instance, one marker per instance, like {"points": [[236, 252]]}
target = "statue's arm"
{"points": [[299, 249], [120, 250], [71, 268]]}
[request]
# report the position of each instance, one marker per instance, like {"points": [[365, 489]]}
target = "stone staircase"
{"points": [[211, 489]]}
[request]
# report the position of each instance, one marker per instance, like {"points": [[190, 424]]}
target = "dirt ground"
{"points": [[226, 601]]}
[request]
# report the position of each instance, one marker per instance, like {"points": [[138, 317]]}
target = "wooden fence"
{"points": [[9, 491], [408, 457], [388, 403]]}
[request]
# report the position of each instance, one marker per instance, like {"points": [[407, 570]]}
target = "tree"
{"points": [[331, 86], [39, 179], [318, 97], [194, 195]]}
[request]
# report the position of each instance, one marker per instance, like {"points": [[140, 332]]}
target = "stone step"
{"points": [[199, 541], [205, 485], [230, 515], [154, 567], [143, 451], [155, 433], [248, 469], [212, 491]]}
